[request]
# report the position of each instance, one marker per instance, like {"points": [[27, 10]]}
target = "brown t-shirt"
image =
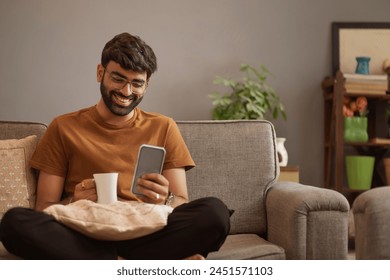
{"points": [[79, 144]]}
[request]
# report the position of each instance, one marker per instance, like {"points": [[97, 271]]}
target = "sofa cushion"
{"points": [[372, 226], [19, 129], [247, 247], [17, 180], [236, 161]]}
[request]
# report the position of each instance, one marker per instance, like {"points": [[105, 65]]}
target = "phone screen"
{"points": [[150, 160]]}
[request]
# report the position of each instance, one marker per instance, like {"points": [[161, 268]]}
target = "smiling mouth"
{"points": [[121, 100]]}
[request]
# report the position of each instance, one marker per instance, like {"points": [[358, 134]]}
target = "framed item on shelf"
{"points": [[360, 39]]}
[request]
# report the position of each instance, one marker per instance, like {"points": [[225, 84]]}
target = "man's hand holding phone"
{"points": [[154, 188], [148, 182]]}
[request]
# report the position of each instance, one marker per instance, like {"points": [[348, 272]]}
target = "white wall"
{"points": [[49, 51]]}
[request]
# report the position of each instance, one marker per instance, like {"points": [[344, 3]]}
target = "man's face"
{"points": [[121, 90]]}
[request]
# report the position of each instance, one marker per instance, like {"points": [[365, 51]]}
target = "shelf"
{"points": [[380, 143], [369, 95], [367, 144], [335, 148]]}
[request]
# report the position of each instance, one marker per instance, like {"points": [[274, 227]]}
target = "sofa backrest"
{"points": [[236, 161], [19, 129]]}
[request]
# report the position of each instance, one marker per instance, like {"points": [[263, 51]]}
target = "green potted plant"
{"points": [[251, 97]]}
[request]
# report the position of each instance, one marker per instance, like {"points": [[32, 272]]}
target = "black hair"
{"points": [[131, 53]]}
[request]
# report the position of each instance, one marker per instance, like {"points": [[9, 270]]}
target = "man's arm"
{"points": [[177, 185], [50, 188]]}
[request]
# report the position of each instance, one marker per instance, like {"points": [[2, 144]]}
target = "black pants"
{"points": [[197, 227]]}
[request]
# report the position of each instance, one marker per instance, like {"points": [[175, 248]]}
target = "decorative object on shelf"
{"points": [[380, 141], [282, 152], [249, 98], [365, 84], [355, 119], [359, 171], [355, 129], [363, 65]]}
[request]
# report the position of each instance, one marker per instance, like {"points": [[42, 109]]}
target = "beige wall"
{"points": [[49, 51]]}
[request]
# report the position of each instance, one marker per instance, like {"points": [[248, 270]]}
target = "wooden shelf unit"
{"points": [[335, 148]]}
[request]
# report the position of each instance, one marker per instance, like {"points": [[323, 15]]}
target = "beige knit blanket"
{"points": [[117, 221]]}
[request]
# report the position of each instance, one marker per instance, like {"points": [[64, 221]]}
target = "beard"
{"points": [[114, 107]]}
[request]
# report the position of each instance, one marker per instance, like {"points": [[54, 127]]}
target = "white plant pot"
{"points": [[282, 152]]}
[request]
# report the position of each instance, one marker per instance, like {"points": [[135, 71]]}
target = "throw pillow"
{"points": [[117, 221], [17, 180]]}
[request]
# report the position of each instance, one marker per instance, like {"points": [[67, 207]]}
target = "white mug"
{"points": [[106, 187]]}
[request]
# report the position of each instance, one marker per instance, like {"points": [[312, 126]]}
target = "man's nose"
{"points": [[127, 90]]}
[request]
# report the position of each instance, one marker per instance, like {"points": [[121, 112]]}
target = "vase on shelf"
{"points": [[355, 129], [363, 66], [282, 152], [359, 171]]}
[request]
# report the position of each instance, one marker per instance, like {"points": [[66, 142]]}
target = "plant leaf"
{"points": [[249, 98]]}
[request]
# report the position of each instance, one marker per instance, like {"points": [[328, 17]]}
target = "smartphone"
{"points": [[150, 160]]}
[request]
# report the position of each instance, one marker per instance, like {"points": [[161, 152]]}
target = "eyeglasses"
{"points": [[136, 86]]}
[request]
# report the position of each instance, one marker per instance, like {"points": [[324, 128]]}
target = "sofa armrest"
{"points": [[371, 211], [308, 222]]}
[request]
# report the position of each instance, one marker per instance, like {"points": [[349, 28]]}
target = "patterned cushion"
{"points": [[17, 181]]}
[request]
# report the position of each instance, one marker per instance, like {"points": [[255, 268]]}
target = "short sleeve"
{"points": [[178, 154], [50, 155]]}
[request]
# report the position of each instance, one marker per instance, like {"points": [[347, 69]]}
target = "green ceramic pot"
{"points": [[355, 129], [359, 171]]}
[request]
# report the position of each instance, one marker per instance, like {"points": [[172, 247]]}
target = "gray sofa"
{"points": [[371, 211], [237, 162]]}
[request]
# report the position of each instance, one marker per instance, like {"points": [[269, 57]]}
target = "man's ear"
{"points": [[99, 73]]}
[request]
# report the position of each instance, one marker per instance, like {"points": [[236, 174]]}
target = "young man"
{"points": [[106, 138]]}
